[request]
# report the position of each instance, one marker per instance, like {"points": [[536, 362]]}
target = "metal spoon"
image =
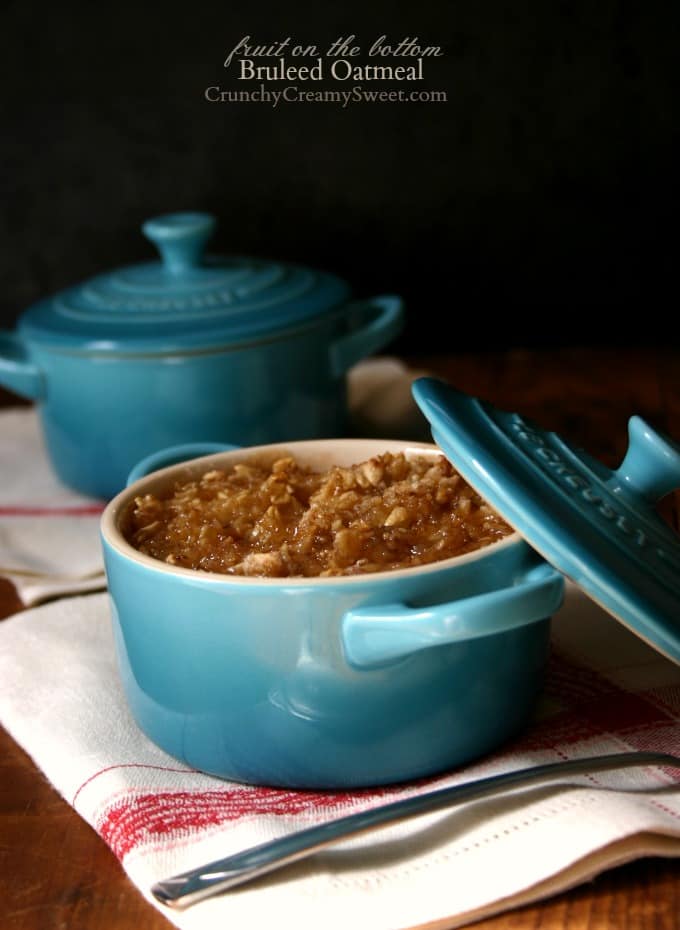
{"points": [[189, 887]]}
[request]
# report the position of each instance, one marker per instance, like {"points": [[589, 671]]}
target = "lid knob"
{"points": [[651, 466], [180, 238]]}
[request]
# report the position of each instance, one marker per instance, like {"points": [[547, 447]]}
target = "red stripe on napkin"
{"points": [[142, 818], [590, 705], [83, 510]]}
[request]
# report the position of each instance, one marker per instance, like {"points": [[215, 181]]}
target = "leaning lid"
{"points": [[597, 526], [186, 300]]}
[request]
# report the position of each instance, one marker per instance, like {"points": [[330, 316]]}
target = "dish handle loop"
{"points": [[173, 455], [376, 635], [370, 336], [17, 371]]}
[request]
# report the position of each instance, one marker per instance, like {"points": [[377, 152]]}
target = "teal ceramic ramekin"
{"points": [[328, 682], [188, 348]]}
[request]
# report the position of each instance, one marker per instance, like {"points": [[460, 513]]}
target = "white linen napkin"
{"points": [[606, 692], [49, 534]]}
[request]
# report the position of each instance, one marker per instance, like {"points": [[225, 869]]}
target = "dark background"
{"points": [[538, 205]]}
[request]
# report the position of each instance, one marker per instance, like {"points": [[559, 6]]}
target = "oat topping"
{"points": [[283, 520]]}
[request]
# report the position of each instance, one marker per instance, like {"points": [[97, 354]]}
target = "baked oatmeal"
{"points": [[284, 520]]}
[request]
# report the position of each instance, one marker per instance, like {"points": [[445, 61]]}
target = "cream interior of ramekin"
{"points": [[318, 454]]}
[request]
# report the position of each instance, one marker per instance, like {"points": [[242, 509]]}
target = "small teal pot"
{"points": [[328, 682], [192, 347]]}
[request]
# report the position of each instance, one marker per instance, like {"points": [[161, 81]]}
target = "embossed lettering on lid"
{"points": [[185, 300], [596, 525]]}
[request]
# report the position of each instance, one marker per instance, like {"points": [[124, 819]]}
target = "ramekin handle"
{"points": [[174, 454], [375, 635], [370, 336], [17, 371]]}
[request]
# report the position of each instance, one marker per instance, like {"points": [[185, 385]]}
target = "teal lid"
{"points": [[596, 525], [187, 300]]}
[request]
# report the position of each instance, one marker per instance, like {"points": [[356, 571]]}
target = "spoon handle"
{"points": [[189, 887]]}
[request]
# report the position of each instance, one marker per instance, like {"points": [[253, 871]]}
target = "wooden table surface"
{"points": [[56, 873]]}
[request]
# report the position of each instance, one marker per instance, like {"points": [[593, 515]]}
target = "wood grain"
{"points": [[56, 873]]}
